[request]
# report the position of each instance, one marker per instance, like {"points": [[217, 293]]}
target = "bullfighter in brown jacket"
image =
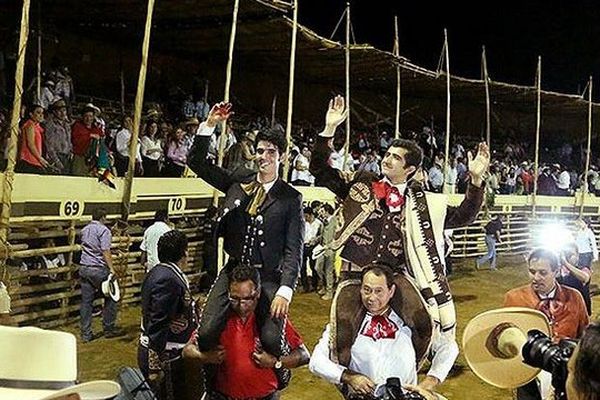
{"points": [[395, 222]]}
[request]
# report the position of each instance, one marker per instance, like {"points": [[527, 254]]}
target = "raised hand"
{"points": [[218, 113], [336, 114], [478, 166]]}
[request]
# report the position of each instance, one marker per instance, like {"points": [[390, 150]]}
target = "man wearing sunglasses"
{"points": [[262, 226], [238, 366]]}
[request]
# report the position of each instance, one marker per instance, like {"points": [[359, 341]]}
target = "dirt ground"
{"points": [[474, 292]]}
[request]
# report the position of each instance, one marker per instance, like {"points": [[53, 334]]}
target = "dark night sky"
{"points": [[565, 33]]}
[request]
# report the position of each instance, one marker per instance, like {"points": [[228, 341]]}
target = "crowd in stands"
{"points": [[61, 136]]}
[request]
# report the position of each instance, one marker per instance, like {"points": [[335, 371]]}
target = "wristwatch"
{"points": [[278, 364]]}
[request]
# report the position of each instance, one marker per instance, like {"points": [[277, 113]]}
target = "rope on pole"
{"points": [[9, 173], [137, 115], [447, 147], [584, 192], [537, 135], [347, 143], [398, 77], [288, 125], [486, 80]]}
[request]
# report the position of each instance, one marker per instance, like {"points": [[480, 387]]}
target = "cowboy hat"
{"points": [[192, 121], [110, 288], [492, 343], [92, 107], [48, 371]]}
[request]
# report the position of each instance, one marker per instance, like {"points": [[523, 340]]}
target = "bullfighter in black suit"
{"points": [[262, 225]]}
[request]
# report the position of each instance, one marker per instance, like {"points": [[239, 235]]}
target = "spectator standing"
{"points": [[563, 181], [325, 263], [575, 276], [122, 144], [59, 149], [451, 176], [32, 137], [47, 96], [96, 266], [242, 154], [492, 236], [151, 237], [176, 158], [152, 150], [384, 142], [301, 175], [586, 244], [312, 233], [82, 133], [436, 176]]}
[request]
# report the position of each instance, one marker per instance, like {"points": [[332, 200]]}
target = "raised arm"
{"points": [[466, 212], [214, 175], [324, 174]]}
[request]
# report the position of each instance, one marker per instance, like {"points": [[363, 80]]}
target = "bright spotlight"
{"points": [[554, 236]]}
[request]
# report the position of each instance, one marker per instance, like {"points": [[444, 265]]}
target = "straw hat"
{"points": [[91, 106], [110, 288], [492, 343], [49, 369]]}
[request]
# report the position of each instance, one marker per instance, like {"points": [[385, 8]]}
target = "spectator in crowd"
{"points": [[191, 128], [563, 306], [64, 86], [151, 237], [384, 142], [151, 149], [243, 368], [546, 183], [586, 244], [47, 96], [168, 319], [176, 156], [574, 275], [462, 175], [492, 181], [436, 175], [215, 142], [312, 234], [188, 109], [32, 138], [301, 175], [242, 155], [96, 266], [57, 139], [122, 144], [451, 177], [201, 109], [371, 163], [82, 133], [492, 237], [325, 263], [563, 180], [98, 120]]}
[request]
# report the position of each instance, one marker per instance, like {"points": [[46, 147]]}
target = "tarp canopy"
{"points": [[197, 31]]}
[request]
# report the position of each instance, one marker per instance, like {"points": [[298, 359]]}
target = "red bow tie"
{"points": [[380, 327], [391, 194]]}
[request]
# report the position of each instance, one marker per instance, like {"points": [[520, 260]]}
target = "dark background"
{"points": [[565, 33]]}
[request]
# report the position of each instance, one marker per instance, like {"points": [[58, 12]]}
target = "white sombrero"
{"points": [[39, 364], [110, 288], [492, 343]]}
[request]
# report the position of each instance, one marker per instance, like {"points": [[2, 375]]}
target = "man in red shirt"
{"points": [[241, 368], [82, 133]]}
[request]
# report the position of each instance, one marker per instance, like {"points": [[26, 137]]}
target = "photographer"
{"points": [[583, 381], [575, 275]]}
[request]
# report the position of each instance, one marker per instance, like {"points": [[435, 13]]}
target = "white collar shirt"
{"points": [[150, 242]]}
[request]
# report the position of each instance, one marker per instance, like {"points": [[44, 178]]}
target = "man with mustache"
{"points": [[393, 221]]}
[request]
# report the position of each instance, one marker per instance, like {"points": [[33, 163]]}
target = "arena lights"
{"points": [[553, 236]]}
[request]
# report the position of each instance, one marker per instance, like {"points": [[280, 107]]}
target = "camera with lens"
{"points": [[392, 390], [540, 352]]}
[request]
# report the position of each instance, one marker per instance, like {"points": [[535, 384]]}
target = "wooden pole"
{"points": [[273, 110], [9, 173], [38, 87], [584, 192], [486, 80], [398, 76], [223, 138], [347, 51], [447, 147], [288, 124], [537, 135], [137, 115]]}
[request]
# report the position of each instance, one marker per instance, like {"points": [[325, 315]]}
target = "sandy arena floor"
{"points": [[474, 291]]}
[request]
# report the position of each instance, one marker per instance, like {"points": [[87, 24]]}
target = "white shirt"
{"points": [[586, 242], [150, 242], [122, 141], [564, 180], [377, 359], [305, 174], [311, 231], [149, 147]]}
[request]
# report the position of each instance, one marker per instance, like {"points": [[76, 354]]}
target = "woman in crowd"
{"points": [[32, 137], [176, 154], [152, 151]]}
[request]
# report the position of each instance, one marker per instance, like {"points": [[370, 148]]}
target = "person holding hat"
{"points": [[49, 369], [59, 149], [168, 318], [388, 344], [563, 306]]}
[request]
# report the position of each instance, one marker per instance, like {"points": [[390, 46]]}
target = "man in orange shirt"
{"points": [[563, 306]]}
